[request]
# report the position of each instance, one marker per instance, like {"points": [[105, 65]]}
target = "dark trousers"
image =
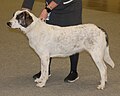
{"points": [[73, 60]]}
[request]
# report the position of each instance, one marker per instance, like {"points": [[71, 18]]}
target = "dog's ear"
{"points": [[28, 18], [24, 19]]}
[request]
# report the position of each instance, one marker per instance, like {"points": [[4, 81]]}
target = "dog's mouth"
{"points": [[9, 24]]}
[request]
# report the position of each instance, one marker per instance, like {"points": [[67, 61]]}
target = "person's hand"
{"points": [[43, 15]]}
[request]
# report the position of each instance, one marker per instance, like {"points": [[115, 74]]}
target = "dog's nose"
{"points": [[9, 24]]}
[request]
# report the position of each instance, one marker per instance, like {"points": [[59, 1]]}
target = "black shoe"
{"points": [[72, 77], [38, 75]]}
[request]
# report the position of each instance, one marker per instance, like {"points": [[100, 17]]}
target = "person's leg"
{"points": [[73, 75], [39, 74]]}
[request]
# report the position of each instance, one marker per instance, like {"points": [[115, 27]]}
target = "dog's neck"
{"points": [[31, 26], [36, 26]]}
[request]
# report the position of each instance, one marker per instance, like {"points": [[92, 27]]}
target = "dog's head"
{"points": [[21, 19]]}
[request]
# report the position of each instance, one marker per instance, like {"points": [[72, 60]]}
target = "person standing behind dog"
{"points": [[62, 13]]}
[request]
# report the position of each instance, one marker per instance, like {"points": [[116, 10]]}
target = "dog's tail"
{"points": [[107, 57]]}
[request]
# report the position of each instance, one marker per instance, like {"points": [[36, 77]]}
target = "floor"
{"points": [[18, 62]]}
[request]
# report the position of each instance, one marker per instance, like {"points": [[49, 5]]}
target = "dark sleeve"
{"points": [[57, 1], [28, 4]]}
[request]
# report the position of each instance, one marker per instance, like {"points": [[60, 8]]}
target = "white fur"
{"points": [[54, 41]]}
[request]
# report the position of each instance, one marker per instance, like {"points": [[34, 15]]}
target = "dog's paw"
{"points": [[40, 84], [38, 80], [101, 87]]}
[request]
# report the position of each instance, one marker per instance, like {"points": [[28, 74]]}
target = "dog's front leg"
{"points": [[44, 71]]}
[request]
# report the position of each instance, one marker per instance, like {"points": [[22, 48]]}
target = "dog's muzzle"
{"points": [[9, 24]]}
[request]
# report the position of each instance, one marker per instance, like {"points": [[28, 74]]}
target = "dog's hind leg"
{"points": [[98, 59], [44, 71]]}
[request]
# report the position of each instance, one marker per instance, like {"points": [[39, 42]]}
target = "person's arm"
{"points": [[28, 4], [48, 9]]}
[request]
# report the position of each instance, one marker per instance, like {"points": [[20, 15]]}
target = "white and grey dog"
{"points": [[54, 41]]}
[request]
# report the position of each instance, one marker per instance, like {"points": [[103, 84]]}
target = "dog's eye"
{"points": [[17, 17]]}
